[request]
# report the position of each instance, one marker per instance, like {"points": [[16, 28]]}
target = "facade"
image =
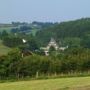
{"points": [[52, 43]]}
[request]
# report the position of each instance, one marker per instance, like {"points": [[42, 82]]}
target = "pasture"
{"points": [[3, 49], [8, 29], [75, 83]]}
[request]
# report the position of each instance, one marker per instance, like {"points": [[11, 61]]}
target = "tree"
{"points": [[86, 41], [52, 51], [4, 34], [33, 45], [12, 41], [14, 58]]}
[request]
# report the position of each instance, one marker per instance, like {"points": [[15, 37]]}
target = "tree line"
{"points": [[74, 33], [73, 60]]}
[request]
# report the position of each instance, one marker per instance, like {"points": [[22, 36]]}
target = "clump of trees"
{"points": [[16, 41], [73, 60], [74, 33]]}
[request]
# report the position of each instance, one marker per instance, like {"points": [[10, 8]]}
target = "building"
{"points": [[52, 43]]}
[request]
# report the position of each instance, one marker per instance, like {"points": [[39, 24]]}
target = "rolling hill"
{"points": [[77, 29]]}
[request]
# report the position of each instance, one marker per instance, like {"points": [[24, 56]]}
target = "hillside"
{"points": [[3, 49], [66, 31], [27, 28]]}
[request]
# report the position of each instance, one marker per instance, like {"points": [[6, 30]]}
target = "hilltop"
{"points": [[73, 33]]}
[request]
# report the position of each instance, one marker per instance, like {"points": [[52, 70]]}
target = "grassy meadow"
{"points": [[3, 49], [5, 28], [75, 83], [8, 29]]}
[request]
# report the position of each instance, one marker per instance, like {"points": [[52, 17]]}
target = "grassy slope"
{"points": [[34, 31], [8, 29], [76, 83], [3, 49]]}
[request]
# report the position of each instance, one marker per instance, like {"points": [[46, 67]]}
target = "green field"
{"points": [[3, 49], [8, 29], [76, 83]]}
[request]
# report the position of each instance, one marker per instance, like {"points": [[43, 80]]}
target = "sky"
{"points": [[43, 10]]}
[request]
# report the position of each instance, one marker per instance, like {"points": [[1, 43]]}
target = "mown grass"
{"points": [[3, 49], [75, 83]]}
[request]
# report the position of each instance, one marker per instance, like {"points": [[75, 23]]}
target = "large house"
{"points": [[52, 43]]}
